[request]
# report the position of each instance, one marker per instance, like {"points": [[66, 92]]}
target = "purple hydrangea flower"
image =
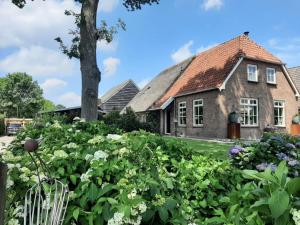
{"points": [[293, 162], [294, 154], [290, 146], [277, 138], [264, 166], [235, 150], [282, 156]]}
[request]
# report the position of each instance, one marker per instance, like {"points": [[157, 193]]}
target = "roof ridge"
{"points": [[293, 67]]}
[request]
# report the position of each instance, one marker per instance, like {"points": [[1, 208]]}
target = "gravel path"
{"points": [[6, 140]]}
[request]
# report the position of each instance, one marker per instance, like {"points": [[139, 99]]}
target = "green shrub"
{"points": [[139, 176], [268, 153], [128, 121]]}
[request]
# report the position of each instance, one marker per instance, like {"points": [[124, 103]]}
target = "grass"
{"points": [[212, 149]]}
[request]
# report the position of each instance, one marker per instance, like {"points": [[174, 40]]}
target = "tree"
{"points": [[84, 46], [20, 96], [60, 106], [48, 105]]}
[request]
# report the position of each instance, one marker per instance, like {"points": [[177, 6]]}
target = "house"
{"points": [[113, 100], [236, 76], [295, 75], [118, 97], [143, 102]]}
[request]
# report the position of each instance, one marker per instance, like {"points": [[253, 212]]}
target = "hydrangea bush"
{"points": [[268, 153], [114, 178]]}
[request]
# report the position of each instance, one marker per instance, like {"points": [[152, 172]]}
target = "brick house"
{"points": [[295, 75], [236, 76]]}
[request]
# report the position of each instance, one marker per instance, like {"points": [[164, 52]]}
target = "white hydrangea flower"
{"points": [[296, 216], [117, 219], [100, 155], [133, 212], [88, 157], [61, 154], [9, 182], [25, 170], [56, 125], [96, 140], [13, 222], [24, 178], [86, 176], [142, 207], [70, 145], [114, 137], [132, 194]]}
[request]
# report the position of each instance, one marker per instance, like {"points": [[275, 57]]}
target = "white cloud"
{"points": [[53, 84], [39, 22], [103, 46], [38, 61], [70, 99], [204, 48], [143, 82], [288, 50], [183, 52], [108, 5], [110, 66], [212, 4]]}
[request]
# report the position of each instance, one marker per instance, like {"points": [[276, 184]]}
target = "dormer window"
{"points": [[252, 73], [271, 76]]}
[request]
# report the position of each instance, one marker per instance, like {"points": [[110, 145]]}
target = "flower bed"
{"points": [[142, 178]]}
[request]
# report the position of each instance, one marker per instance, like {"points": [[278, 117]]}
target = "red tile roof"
{"points": [[210, 68]]}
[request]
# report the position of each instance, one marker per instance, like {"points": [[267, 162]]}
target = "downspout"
{"points": [[175, 118]]}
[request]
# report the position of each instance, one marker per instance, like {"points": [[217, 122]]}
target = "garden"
{"points": [[137, 177]]}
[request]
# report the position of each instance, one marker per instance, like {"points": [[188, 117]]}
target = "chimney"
{"points": [[246, 33]]}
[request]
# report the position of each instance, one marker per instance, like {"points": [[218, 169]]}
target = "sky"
{"points": [[156, 38]]}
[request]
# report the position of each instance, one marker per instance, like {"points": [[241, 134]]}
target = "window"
{"points": [[182, 114], [252, 73], [279, 113], [249, 112], [271, 76], [198, 112]]}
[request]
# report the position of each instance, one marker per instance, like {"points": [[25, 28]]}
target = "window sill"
{"points": [[270, 83], [249, 126], [181, 125], [253, 81], [197, 126], [280, 126]]}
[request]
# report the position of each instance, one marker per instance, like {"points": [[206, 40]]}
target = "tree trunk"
{"points": [[90, 73]]}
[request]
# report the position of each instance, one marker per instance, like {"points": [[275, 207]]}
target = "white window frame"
{"points": [[283, 112], [248, 105], [195, 105], [250, 74], [180, 106], [267, 74]]}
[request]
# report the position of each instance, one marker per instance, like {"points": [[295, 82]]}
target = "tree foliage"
{"points": [[83, 46], [20, 96]]}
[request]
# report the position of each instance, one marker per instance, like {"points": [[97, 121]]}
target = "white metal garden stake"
{"points": [[46, 202]]}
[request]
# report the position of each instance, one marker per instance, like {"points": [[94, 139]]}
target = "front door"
{"points": [[168, 121]]}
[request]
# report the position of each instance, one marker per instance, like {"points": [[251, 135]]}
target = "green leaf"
{"points": [[148, 215], [76, 214], [163, 214], [170, 203], [73, 179], [281, 172], [278, 203], [293, 186], [250, 174], [93, 192], [112, 201], [260, 202], [169, 183], [106, 189]]}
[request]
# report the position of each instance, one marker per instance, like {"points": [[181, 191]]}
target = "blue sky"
{"points": [[156, 37]]}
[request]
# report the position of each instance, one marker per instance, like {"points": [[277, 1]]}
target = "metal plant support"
{"points": [[46, 202]]}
